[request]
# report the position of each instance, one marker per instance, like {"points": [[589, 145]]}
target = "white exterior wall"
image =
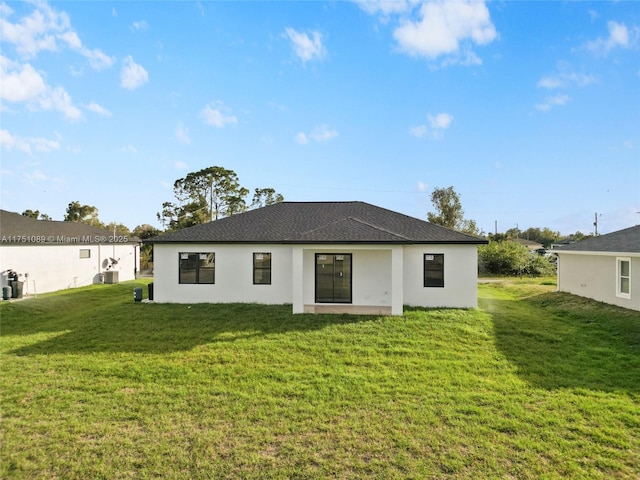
{"points": [[57, 267], [460, 277], [371, 273], [233, 275], [382, 276], [595, 275]]}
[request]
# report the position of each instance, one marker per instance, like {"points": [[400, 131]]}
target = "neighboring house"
{"points": [[52, 255], [530, 244], [322, 257], [605, 268]]}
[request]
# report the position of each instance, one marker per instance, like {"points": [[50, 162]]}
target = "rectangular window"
{"points": [[197, 268], [623, 281], [434, 270], [262, 269], [85, 253]]}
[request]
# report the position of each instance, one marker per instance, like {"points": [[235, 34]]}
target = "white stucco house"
{"points": [[321, 257], [53, 255], [605, 268]]}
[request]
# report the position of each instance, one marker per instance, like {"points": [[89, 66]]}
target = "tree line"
{"points": [[206, 195], [215, 192]]}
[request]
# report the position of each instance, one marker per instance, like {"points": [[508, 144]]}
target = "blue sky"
{"points": [[530, 110]]}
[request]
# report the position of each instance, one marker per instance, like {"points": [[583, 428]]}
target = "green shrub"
{"points": [[511, 258]]}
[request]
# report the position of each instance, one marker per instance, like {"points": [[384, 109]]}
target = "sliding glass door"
{"points": [[333, 278]]}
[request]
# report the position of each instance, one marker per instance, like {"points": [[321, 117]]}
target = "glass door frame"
{"points": [[350, 278]]}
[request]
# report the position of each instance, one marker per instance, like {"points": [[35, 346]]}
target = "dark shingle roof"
{"points": [[623, 241], [318, 222], [16, 229]]}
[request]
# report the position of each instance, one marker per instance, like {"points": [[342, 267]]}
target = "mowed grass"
{"points": [[533, 384]]}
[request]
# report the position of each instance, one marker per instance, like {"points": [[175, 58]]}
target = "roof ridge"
{"points": [[324, 225], [379, 228]]}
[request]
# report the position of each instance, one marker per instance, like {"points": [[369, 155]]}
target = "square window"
{"points": [[85, 253], [197, 268]]}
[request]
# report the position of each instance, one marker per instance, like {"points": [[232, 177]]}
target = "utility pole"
{"points": [[496, 226], [595, 224]]}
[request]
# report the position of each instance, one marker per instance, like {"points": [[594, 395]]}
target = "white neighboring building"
{"points": [[605, 268], [321, 257], [53, 255]]}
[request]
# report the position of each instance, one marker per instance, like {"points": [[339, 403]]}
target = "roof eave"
{"points": [[596, 252], [319, 242]]}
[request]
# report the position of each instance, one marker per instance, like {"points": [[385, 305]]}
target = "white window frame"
{"points": [[619, 277]]}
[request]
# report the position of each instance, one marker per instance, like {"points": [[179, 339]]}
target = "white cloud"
{"points": [[180, 165], [566, 79], [422, 187], [128, 149], [97, 59], [59, 99], [619, 36], [5, 10], [132, 75], [44, 144], [550, 102], [218, 115], [139, 25], [22, 83], [46, 29], [386, 7], [447, 28], [321, 133], [418, 131], [306, 47], [26, 144], [35, 176], [437, 124], [9, 142], [441, 121], [182, 134], [95, 108]]}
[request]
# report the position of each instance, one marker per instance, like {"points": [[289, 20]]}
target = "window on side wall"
{"points": [[623, 277], [197, 268], [434, 270], [262, 269], [85, 253]]}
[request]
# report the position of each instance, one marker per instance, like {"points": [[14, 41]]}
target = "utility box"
{"points": [[137, 294], [16, 288], [111, 277], [6, 293]]}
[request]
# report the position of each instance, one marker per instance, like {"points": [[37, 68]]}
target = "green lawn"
{"points": [[534, 384]]}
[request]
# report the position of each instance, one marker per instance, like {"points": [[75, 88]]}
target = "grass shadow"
{"points": [[558, 340], [105, 318]]}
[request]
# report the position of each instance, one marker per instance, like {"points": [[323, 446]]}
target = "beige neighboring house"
{"points": [[51, 255], [320, 257], [605, 268], [531, 245]]}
